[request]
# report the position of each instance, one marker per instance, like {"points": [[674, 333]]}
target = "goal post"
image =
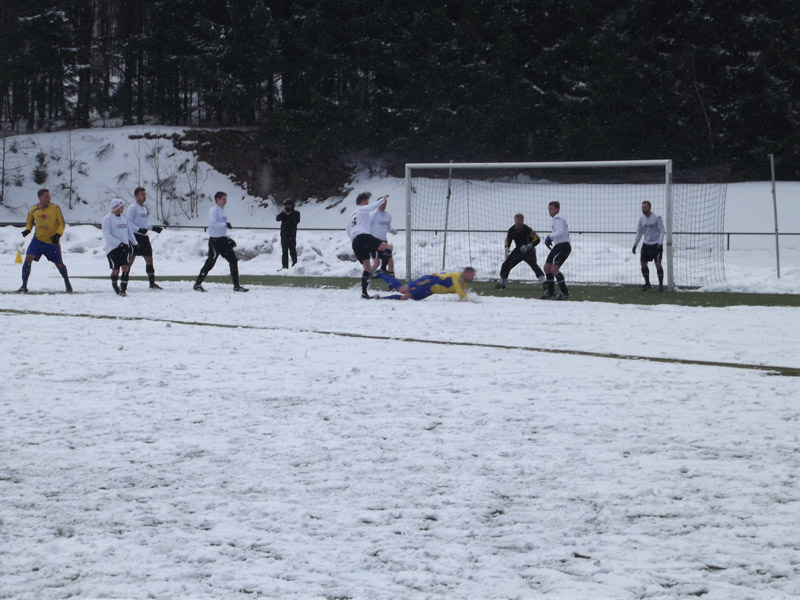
{"points": [[457, 214]]}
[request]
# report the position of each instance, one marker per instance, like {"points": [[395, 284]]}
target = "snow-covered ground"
{"points": [[295, 443]]}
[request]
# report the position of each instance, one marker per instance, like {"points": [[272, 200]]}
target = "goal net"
{"points": [[458, 214]]}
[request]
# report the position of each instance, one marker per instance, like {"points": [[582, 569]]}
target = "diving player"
{"points": [[427, 285]]}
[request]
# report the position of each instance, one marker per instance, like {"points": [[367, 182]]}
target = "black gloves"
{"points": [[228, 225], [634, 249], [25, 232], [548, 242], [55, 238], [142, 230], [158, 228], [231, 243]]}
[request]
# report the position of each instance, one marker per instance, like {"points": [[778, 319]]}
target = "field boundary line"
{"points": [[768, 369]]}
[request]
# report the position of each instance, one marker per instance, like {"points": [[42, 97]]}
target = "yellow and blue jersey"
{"points": [[49, 221], [447, 283]]}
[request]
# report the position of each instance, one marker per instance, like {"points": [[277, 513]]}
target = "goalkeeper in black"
{"points": [[651, 227], [525, 241]]}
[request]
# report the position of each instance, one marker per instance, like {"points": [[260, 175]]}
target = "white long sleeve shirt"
{"points": [[560, 232], [217, 222], [361, 219], [116, 231], [381, 224], [137, 217], [652, 228]]}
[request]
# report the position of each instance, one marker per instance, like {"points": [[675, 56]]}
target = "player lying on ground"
{"points": [[427, 285]]}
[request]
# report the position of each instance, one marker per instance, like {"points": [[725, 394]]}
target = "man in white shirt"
{"points": [[652, 228], [359, 229], [560, 249], [381, 227], [219, 244], [119, 244], [136, 214]]}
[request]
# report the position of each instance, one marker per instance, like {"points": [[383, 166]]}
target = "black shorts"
{"points": [[364, 245], [559, 253], [144, 248], [120, 256], [652, 252]]}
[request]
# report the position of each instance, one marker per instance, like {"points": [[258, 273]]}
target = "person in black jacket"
{"points": [[525, 240], [289, 219]]}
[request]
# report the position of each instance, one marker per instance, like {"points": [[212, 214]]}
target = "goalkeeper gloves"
{"points": [[634, 249], [527, 249], [548, 242], [25, 232], [142, 230], [158, 228], [55, 238]]}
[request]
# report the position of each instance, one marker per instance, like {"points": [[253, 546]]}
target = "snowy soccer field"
{"points": [[301, 443]]}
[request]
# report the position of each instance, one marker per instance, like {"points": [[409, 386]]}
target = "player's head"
{"points": [[363, 198], [554, 207], [44, 196], [289, 204], [117, 206], [647, 208], [221, 198], [140, 194], [519, 219], [468, 275]]}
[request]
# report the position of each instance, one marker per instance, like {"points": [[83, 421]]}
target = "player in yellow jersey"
{"points": [[427, 285], [49, 223]]}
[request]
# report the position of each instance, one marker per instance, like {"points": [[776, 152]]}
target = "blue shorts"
{"points": [[52, 252], [421, 288]]}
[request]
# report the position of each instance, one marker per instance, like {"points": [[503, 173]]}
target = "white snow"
{"points": [[295, 443]]}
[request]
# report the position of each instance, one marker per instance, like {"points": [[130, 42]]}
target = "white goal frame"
{"points": [[411, 168]]}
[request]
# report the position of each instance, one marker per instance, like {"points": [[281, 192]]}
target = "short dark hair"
{"points": [[42, 191], [649, 205], [137, 190], [219, 195], [469, 269], [555, 203], [363, 197]]}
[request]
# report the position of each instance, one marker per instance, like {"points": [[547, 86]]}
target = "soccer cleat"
{"points": [[548, 295], [500, 286], [68, 287], [660, 288], [23, 290], [198, 288], [367, 297], [155, 286], [646, 287], [563, 296], [239, 288], [122, 293]]}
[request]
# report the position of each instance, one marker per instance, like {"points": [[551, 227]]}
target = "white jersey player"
{"points": [[651, 227], [560, 249], [359, 230]]}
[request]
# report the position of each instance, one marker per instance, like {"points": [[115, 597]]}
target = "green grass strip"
{"points": [[768, 369], [617, 294]]}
